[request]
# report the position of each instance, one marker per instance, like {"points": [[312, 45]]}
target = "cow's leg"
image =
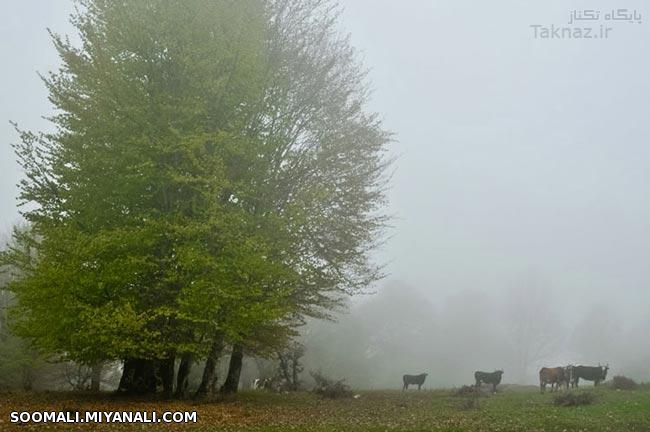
{"points": [[419, 387], [542, 386]]}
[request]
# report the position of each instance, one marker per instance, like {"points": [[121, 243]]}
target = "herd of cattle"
{"points": [[557, 377], [570, 376]]}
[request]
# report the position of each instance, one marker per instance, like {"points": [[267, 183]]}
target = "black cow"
{"points": [[414, 379], [589, 373], [493, 378]]}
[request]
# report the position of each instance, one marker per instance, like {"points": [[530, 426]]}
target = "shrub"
{"points": [[470, 397], [574, 399], [330, 388], [621, 382], [466, 390]]}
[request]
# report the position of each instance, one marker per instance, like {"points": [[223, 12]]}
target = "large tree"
{"points": [[212, 173], [322, 164]]}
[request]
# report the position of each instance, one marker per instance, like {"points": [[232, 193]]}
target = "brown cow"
{"points": [[553, 376]]}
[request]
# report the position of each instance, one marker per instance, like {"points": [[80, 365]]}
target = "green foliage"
{"points": [[212, 172], [19, 362]]}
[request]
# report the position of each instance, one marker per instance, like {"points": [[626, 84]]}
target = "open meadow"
{"points": [[322, 215], [512, 409]]}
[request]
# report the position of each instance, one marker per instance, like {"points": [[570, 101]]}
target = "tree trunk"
{"points": [[166, 368], [283, 360], [234, 370], [128, 373], [182, 379], [138, 377], [27, 378], [96, 377], [209, 372], [295, 370]]}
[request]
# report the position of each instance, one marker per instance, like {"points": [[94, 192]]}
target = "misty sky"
{"points": [[517, 156]]}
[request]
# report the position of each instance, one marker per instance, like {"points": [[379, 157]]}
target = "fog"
{"points": [[400, 330], [521, 225]]}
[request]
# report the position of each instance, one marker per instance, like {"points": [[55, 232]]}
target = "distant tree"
{"points": [[290, 365], [77, 376], [389, 334], [19, 362], [470, 335], [598, 336], [535, 332]]}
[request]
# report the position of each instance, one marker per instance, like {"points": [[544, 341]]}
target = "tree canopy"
{"points": [[213, 173]]}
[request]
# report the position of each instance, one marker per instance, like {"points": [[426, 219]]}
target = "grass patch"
{"points": [[513, 409]]}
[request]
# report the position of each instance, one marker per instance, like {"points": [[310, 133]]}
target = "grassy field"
{"points": [[512, 409]]}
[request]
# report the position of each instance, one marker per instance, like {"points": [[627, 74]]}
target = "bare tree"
{"points": [[290, 365], [534, 331], [597, 336]]}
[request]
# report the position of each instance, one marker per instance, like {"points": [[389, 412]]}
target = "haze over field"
{"points": [[522, 229]]}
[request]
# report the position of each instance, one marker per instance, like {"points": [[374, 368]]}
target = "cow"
{"points": [[589, 373], [493, 378], [413, 379], [553, 376], [270, 384], [568, 376]]}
